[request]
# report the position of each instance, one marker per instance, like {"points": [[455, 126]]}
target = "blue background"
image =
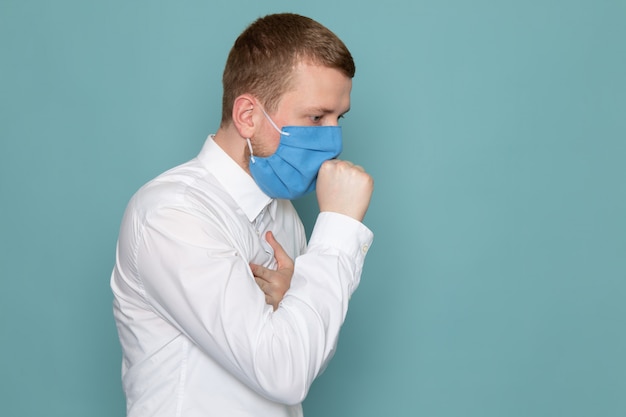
{"points": [[496, 134]]}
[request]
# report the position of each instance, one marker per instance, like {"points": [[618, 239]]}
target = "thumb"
{"points": [[282, 258]]}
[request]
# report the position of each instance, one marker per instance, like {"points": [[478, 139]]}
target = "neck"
{"points": [[234, 145]]}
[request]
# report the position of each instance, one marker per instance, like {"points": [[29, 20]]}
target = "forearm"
{"points": [[306, 326]]}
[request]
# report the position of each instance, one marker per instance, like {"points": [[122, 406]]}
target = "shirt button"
{"points": [[364, 248]]}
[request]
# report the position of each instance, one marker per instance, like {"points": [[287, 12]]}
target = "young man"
{"points": [[214, 316]]}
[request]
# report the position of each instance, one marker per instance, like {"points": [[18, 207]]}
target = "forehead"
{"points": [[319, 86]]}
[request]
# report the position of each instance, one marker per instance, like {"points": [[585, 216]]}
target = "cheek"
{"points": [[267, 143], [273, 145]]}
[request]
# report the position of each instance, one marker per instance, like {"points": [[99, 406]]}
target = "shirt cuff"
{"points": [[342, 232]]}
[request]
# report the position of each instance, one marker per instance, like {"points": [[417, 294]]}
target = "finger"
{"points": [[282, 258], [262, 284], [259, 272]]}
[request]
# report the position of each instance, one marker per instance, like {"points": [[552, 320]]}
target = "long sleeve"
{"points": [[197, 337], [306, 325], [198, 279]]}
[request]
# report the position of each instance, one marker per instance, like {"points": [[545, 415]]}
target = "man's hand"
{"points": [[274, 283], [345, 188]]}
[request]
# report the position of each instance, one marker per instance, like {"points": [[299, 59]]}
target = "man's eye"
{"points": [[316, 119]]}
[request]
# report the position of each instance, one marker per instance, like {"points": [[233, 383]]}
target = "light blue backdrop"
{"points": [[496, 133]]}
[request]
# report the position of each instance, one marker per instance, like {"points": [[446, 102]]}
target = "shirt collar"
{"points": [[237, 182]]}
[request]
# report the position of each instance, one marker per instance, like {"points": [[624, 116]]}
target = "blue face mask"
{"points": [[291, 171]]}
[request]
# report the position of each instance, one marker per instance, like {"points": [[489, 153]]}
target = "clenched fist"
{"points": [[344, 188]]}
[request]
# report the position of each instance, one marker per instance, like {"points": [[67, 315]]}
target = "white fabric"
{"points": [[197, 337]]}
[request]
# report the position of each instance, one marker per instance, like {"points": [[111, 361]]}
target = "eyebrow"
{"points": [[326, 111]]}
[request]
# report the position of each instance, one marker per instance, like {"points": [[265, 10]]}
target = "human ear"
{"points": [[243, 115]]}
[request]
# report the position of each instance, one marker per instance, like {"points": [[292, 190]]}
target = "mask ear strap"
{"points": [[251, 153], [274, 124]]}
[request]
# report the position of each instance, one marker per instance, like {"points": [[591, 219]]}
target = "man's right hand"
{"points": [[274, 283], [344, 188]]}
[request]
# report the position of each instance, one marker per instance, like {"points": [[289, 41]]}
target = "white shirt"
{"points": [[197, 337]]}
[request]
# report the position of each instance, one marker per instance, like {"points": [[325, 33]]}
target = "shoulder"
{"points": [[187, 185]]}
